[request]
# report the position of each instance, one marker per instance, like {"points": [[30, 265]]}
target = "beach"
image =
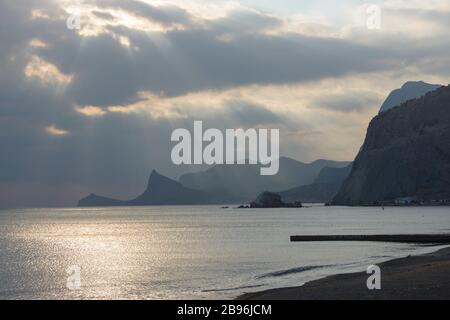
{"points": [[424, 277]]}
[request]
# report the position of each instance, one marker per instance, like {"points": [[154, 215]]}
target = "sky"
{"points": [[92, 109]]}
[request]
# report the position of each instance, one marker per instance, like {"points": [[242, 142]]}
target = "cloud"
{"points": [[232, 51], [54, 131], [350, 101], [90, 111], [45, 72]]}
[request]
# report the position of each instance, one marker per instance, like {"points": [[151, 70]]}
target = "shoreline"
{"points": [[421, 277]]}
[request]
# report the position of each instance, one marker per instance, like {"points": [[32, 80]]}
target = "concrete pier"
{"points": [[401, 238]]}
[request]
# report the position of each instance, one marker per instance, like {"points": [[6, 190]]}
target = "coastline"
{"points": [[421, 277]]}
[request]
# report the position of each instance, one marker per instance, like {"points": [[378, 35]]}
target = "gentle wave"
{"points": [[303, 269], [291, 271], [233, 289]]}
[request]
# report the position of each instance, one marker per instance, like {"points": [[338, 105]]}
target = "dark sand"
{"points": [[414, 277]]}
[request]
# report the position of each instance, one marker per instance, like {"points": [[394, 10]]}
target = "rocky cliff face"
{"points": [[406, 153]]}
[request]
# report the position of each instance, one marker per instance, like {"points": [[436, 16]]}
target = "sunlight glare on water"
{"points": [[191, 251]]}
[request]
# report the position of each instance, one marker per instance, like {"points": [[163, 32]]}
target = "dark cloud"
{"points": [[249, 114], [167, 15], [263, 59], [234, 113], [198, 58], [105, 73], [103, 15]]}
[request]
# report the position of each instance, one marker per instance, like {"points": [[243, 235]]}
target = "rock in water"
{"points": [[267, 200], [272, 200]]}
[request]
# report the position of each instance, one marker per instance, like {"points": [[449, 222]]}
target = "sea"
{"points": [[193, 252]]}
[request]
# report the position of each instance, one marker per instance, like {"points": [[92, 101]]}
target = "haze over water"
{"points": [[192, 251]]}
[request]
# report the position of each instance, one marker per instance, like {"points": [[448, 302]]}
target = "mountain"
{"points": [[406, 153], [410, 90], [160, 191], [241, 183], [324, 188], [94, 200]]}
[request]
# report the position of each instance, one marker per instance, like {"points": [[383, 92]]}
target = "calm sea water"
{"points": [[192, 251]]}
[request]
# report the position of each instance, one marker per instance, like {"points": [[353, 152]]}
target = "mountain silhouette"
{"points": [[322, 190], [242, 183], [94, 200], [160, 191], [410, 90], [406, 154]]}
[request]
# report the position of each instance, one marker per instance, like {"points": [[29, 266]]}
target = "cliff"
{"points": [[406, 153]]}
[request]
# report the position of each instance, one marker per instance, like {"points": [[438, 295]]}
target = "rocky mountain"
{"points": [[406, 153], [324, 188], [160, 191], [410, 90], [238, 184]]}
